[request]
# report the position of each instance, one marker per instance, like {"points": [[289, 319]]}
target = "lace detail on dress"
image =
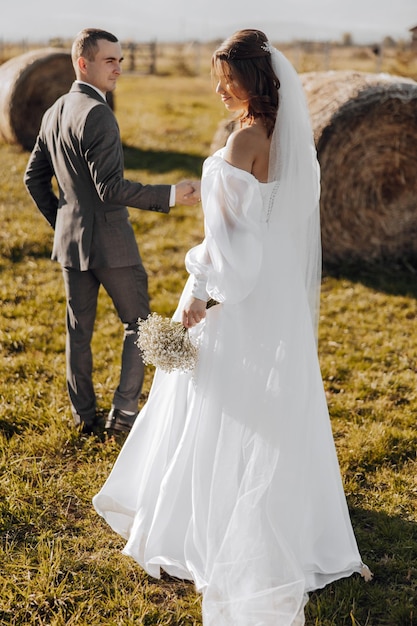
{"points": [[269, 203]]}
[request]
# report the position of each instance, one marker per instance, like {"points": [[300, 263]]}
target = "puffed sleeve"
{"points": [[226, 265]]}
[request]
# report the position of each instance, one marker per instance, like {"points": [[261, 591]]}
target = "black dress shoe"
{"points": [[120, 421], [87, 428]]}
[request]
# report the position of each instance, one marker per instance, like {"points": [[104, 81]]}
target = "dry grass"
{"points": [[61, 565]]}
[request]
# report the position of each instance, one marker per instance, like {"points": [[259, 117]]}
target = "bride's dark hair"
{"points": [[246, 59]]}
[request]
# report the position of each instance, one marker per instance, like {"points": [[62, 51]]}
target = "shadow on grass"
{"points": [[16, 421], [19, 251], [8, 427], [388, 545], [162, 162], [399, 278]]}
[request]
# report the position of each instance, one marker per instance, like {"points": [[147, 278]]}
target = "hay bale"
{"points": [[29, 84], [365, 128]]}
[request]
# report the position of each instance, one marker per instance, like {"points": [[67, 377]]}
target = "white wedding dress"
{"points": [[229, 476]]}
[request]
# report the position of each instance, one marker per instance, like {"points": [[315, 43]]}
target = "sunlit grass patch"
{"points": [[60, 563]]}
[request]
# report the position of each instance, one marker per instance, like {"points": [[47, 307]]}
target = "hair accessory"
{"points": [[267, 47]]}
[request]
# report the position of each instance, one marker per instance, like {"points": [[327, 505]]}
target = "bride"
{"points": [[229, 476]]}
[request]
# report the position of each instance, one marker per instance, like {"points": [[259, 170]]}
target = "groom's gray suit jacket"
{"points": [[79, 143]]}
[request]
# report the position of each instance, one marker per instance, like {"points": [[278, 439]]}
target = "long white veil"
{"points": [[293, 162]]}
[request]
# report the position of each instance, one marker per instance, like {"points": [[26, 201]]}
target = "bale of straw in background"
{"points": [[29, 84], [365, 128]]}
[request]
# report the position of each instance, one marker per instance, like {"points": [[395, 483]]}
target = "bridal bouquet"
{"points": [[167, 344]]}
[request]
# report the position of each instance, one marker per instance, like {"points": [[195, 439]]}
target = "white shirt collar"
{"points": [[81, 82]]}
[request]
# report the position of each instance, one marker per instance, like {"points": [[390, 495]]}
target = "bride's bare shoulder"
{"points": [[244, 146], [248, 149]]}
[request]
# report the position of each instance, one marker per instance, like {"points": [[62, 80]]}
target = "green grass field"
{"points": [[59, 562]]}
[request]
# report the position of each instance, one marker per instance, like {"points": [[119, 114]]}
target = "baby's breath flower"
{"points": [[166, 344]]}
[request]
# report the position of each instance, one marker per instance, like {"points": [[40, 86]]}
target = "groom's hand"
{"points": [[187, 192]]}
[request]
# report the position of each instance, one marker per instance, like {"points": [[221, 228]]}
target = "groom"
{"points": [[79, 144]]}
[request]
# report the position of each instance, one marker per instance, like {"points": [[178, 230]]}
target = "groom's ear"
{"points": [[81, 65]]}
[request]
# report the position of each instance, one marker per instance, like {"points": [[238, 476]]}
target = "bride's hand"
{"points": [[193, 312]]}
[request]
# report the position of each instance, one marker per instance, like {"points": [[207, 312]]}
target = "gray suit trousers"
{"points": [[128, 289]]}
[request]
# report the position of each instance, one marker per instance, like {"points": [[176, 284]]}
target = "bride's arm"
{"points": [[225, 265]]}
